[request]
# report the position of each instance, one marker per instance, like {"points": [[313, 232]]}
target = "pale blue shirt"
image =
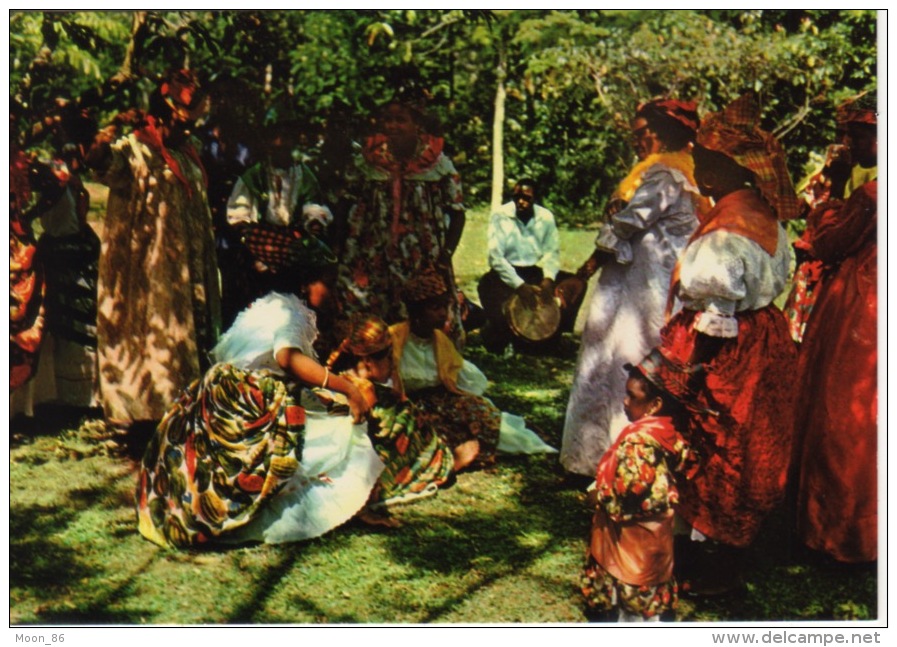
{"points": [[514, 244]]}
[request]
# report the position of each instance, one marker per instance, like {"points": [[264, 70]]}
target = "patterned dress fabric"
{"points": [[630, 560], [417, 460], [837, 403], [460, 418], [158, 301], [226, 447], [396, 227], [626, 311], [452, 405], [742, 427], [246, 454], [26, 280]]}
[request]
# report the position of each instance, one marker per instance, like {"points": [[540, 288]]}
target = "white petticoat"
{"points": [[339, 468]]}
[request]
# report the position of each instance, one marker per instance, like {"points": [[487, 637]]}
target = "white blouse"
{"points": [[723, 273], [269, 324], [418, 369]]}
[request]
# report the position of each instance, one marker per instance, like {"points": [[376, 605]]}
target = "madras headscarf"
{"points": [[672, 378], [425, 285], [663, 373], [735, 131], [859, 110]]}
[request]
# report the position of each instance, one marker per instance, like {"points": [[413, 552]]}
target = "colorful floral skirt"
{"points": [[417, 460], [604, 592], [27, 288], [223, 450], [459, 418]]}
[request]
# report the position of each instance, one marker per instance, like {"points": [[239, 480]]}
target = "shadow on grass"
{"points": [[44, 568], [49, 421]]}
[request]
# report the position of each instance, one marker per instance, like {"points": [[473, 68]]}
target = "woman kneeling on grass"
{"points": [[418, 462], [251, 452], [629, 574]]}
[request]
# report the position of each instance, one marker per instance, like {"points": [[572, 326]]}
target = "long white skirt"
{"points": [[339, 468]]}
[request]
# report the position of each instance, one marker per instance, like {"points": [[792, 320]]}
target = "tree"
{"points": [[541, 93]]}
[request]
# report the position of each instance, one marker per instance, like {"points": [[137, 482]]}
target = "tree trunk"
{"points": [[498, 129], [131, 63]]}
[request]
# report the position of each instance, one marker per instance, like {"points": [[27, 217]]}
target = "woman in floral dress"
{"points": [[257, 450], [447, 389], [407, 213], [158, 295]]}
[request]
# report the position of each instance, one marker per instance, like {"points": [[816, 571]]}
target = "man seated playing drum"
{"points": [[524, 259]]}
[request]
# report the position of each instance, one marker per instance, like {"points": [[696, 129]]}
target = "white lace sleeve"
{"points": [[269, 324], [712, 273], [298, 330], [660, 192], [725, 273], [472, 379]]}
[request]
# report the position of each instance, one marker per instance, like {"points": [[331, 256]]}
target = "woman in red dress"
{"points": [[733, 342], [837, 403]]}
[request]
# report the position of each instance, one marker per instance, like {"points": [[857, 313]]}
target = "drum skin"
{"points": [[532, 323]]}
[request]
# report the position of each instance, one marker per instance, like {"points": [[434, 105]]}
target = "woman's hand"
{"points": [[358, 405], [593, 263]]}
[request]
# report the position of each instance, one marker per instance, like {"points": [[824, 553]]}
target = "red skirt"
{"points": [[745, 448], [837, 407]]}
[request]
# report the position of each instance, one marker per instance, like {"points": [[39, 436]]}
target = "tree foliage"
{"points": [[572, 78]]}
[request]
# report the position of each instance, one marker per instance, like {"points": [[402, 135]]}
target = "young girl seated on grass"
{"points": [[417, 460], [629, 574]]}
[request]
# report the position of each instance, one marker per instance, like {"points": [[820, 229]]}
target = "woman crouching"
{"points": [[249, 452]]}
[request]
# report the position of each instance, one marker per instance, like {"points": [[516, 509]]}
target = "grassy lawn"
{"points": [[502, 545]]}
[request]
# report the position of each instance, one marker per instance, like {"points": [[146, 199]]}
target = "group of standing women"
{"points": [[694, 282]]}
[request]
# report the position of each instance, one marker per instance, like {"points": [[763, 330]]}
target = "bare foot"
{"points": [[466, 453], [384, 520]]}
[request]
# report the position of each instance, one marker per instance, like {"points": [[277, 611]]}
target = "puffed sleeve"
{"points": [[657, 193], [712, 281], [472, 379], [240, 205]]}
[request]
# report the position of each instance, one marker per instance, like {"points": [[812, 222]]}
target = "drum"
{"points": [[535, 322]]}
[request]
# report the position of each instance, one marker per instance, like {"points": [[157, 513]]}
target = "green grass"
{"points": [[503, 545]]}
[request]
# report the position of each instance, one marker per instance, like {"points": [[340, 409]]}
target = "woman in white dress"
{"points": [[249, 452], [651, 216]]}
